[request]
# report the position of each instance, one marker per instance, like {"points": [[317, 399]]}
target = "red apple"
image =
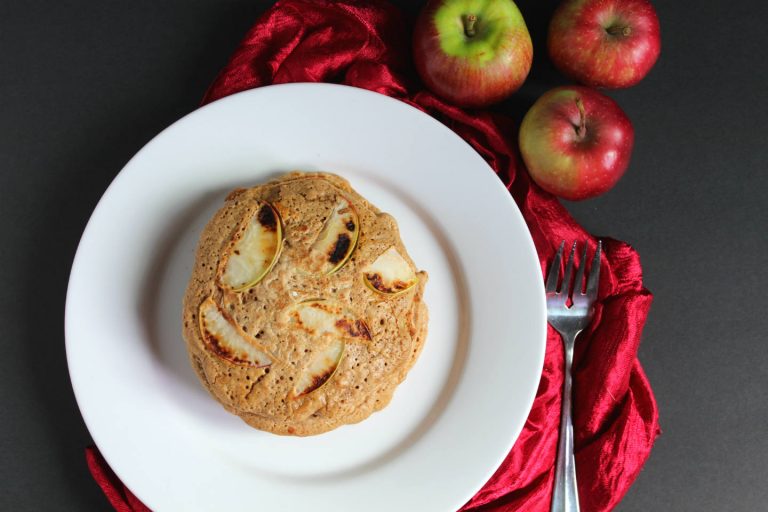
{"points": [[605, 43], [576, 142], [472, 53]]}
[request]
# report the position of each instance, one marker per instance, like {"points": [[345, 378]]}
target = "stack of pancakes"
{"points": [[304, 310]]}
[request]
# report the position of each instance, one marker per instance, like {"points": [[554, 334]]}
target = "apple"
{"points": [[389, 274], [337, 240], [320, 317], [253, 249], [321, 367], [471, 52], [226, 339], [576, 142], [330, 326], [605, 43]]}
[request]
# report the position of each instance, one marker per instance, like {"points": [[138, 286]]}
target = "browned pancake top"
{"points": [[330, 329]]}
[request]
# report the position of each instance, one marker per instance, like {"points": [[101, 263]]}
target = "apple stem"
{"points": [[616, 30], [581, 130], [469, 25]]}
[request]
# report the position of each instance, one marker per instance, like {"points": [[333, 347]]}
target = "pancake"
{"points": [[304, 310]]}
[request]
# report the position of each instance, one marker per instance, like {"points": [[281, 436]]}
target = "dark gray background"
{"points": [[84, 85]]}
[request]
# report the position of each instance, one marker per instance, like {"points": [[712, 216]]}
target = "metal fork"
{"points": [[569, 321]]}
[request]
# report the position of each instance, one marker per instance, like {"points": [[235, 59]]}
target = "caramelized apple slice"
{"points": [[320, 369], [226, 339], [320, 317], [330, 324], [253, 249], [390, 273], [337, 240]]}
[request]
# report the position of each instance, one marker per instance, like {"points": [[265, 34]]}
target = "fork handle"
{"points": [[566, 495]]}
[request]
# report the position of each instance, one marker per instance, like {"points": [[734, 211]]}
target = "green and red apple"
{"points": [[605, 43], [472, 52], [576, 142]]}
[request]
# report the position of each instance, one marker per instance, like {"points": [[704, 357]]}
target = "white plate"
{"points": [[450, 423]]}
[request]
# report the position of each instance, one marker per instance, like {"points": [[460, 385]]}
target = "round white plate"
{"points": [[452, 421]]}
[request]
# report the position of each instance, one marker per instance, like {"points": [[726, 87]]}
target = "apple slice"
{"points": [[227, 340], [320, 369], [320, 317], [390, 273], [253, 249], [337, 240], [331, 325]]}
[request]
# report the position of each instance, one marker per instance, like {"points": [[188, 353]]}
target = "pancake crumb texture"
{"points": [[304, 310]]}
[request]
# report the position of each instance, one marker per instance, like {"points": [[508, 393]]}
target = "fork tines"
{"points": [[592, 280]]}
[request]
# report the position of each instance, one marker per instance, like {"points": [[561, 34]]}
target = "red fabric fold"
{"points": [[119, 496], [367, 45]]}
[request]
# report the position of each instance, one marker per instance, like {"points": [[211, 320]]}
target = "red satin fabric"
{"points": [[367, 44], [121, 498]]}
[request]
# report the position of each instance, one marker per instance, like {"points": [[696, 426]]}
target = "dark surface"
{"points": [[83, 85]]}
